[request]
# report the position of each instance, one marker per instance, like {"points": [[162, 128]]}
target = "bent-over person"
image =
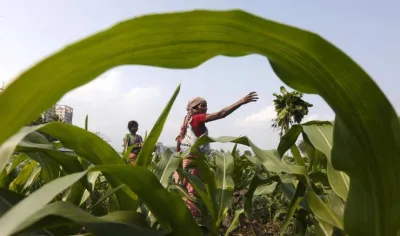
{"points": [[194, 126]]}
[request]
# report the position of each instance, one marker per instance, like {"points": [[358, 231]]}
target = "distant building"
{"points": [[64, 113]]}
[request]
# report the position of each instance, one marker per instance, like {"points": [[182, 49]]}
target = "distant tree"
{"points": [[56, 118], [40, 120], [289, 108], [248, 153]]}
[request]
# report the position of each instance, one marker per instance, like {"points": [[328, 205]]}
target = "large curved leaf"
{"points": [[92, 178], [8, 147], [17, 185], [168, 208], [294, 203], [289, 139], [95, 150], [301, 59], [166, 166], [29, 206], [50, 169], [223, 181], [8, 199], [235, 222], [321, 137], [116, 223], [70, 164], [17, 159], [84, 143]]}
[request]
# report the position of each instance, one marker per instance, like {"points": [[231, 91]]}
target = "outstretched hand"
{"points": [[251, 97]]}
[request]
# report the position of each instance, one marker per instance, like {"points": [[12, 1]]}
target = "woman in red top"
{"points": [[194, 126]]}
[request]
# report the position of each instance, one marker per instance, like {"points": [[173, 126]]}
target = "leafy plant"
{"points": [[289, 108]]}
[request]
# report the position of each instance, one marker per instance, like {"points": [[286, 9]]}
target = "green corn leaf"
{"points": [[8, 199], [107, 195], [5, 179], [302, 60], [248, 197], [203, 194], [294, 203], [70, 164], [207, 177], [120, 223], [336, 203], [296, 155], [32, 178], [287, 183], [89, 146], [18, 184], [50, 168], [234, 151], [223, 181], [269, 158], [46, 154], [323, 228], [29, 206], [8, 147], [319, 177], [289, 139], [151, 140], [266, 189], [315, 157], [95, 150], [168, 163], [235, 222], [168, 208], [18, 159], [321, 137], [319, 134], [182, 191], [92, 178]]}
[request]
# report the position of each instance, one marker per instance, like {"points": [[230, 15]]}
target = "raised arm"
{"points": [[251, 97]]}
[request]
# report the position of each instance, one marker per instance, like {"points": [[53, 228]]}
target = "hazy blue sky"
{"points": [[29, 30]]}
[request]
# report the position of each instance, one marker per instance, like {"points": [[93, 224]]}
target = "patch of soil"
{"points": [[268, 229]]}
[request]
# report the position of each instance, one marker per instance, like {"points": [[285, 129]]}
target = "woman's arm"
{"points": [[251, 97]]}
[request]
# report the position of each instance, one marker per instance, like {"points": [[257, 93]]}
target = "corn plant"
{"points": [[365, 143]]}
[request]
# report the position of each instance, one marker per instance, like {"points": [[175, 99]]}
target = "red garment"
{"points": [[199, 124]]}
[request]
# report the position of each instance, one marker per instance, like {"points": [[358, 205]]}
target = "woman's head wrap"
{"points": [[194, 102]]}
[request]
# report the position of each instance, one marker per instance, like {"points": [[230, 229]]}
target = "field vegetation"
{"points": [[338, 177]]}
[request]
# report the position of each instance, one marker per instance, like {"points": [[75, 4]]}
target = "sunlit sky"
{"points": [[30, 30]]}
